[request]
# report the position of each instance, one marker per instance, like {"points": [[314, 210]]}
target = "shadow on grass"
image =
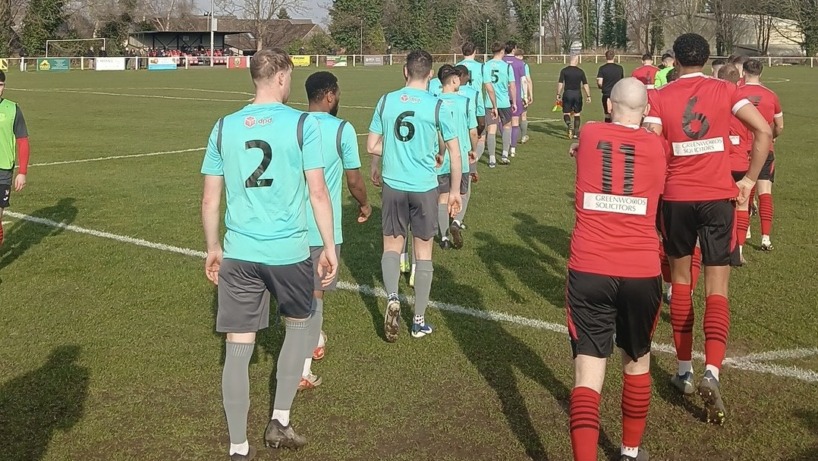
{"points": [[551, 129], [496, 354], [35, 405], [669, 393], [810, 419], [25, 234]]}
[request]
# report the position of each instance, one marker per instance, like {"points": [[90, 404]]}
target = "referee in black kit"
{"points": [[609, 74], [572, 83]]}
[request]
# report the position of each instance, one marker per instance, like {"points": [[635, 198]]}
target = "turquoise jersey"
{"points": [[340, 149], [473, 96], [476, 73], [263, 151], [462, 113], [527, 78], [499, 74], [435, 87], [409, 121]]}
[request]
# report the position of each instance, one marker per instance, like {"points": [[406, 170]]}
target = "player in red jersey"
{"points": [[693, 113], [613, 271], [740, 144], [647, 72], [738, 60], [770, 107]]}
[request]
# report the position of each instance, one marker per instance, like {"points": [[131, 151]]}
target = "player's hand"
{"points": [[327, 266], [438, 160], [365, 213], [475, 177], [472, 156], [514, 107], [530, 101], [494, 113], [455, 204], [745, 186], [212, 265], [559, 97], [375, 174], [588, 99], [572, 151], [19, 182]]}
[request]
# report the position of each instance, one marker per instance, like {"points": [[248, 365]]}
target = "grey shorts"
{"points": [[401, 209], [444, 186], [315, 253], [245, 288], [503, 116], [5, 187]]}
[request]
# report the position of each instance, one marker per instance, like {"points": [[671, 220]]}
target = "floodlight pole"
{"points": [[362, 38], [542, 30], [486, 49], [211, 34]]}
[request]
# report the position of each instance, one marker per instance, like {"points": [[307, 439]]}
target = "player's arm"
{"points": [[512, 87], [492, 96], [447, 131], [351, 160], [653, 120], [586, 87], [213, 171], [561, 84], [312, 163], [23, 152], [599, 79], [762, 140], [778, 120], [374, 143]]}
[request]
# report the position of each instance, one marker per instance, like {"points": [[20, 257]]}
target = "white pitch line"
{"points": [[117, 157], [746, 363]]}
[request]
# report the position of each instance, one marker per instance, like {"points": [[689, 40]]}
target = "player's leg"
{"points": [[244, 308], [591, 318], [421, 217], [292, 286], [443, 210], [491, 136], [524, 127], [765, 201], [5, 194], [716, 237], [568, 103], [395, 222], [316, 334], [505, 121], [515, 130], [577, 115], [679, 238], [742, 218], [638, 305], [456, 229], [481, 134], [605, 110]]}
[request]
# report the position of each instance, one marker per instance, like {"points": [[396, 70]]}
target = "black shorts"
{"points": [[245, 288], [571, 102], [711, 222], [738, 175], [401, 209], [605, 98], [444, 183], [5, 187], [602, 307], [768, 170]]}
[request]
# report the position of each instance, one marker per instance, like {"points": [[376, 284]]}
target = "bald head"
{"points": [[629, 98]]}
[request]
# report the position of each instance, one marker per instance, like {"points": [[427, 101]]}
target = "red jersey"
{"points": [[694, 112], [741, 141], [620, 175], [765, 100], [646, 75]]}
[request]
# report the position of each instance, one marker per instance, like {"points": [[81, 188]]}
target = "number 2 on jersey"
{"points": [[253, 180], [629, 151], [402, 123]]}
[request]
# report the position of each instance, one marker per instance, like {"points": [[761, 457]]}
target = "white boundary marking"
{"points": [[751, 362], [117, 157]]}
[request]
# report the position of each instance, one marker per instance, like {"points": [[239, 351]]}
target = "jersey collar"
{"points": [[693, 75], [633, 127]]}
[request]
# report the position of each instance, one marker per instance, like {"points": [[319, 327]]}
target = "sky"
{"points": [[318, 11]]}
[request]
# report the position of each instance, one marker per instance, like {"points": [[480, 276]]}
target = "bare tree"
{"points": [[562, 23], [763, 29], [260, 13]]}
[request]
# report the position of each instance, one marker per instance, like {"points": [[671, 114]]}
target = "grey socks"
{"points": [[291, 362], [523, 128], [443, 218], [506, 140], [491, 145], [316, 322], [423, 286], [236, 389], [390, 267], [462, 214]]}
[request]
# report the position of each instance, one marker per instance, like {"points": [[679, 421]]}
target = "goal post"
{"points": [[50, 43]]}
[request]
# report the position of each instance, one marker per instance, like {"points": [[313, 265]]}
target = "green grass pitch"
{"points": [[109, 350]]}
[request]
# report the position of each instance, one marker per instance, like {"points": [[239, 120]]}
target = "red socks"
{"points": [[681, 318], [716, 329], [742, 224], [635, 404], [695, 269], [584, 423], [765, 211]]}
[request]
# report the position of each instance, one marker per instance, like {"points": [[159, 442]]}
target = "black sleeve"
{"points": [[562, 76], [584, 79], [600, 73], [20, 130]]}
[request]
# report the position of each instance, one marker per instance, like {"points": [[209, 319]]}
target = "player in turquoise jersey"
{"points": [[341, 158], [472, 95], [498, 78], [465, 123], [265, 156], [435, 87], [528, 97], [404, 135], [14, 149], [476, 81]]}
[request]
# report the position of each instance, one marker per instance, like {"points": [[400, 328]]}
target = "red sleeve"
{"points": [[737, 101], [23, 154], [777, 102], [655, 114]]}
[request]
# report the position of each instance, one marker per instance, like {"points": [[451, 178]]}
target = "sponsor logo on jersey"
{"points": [[622, 204]]}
